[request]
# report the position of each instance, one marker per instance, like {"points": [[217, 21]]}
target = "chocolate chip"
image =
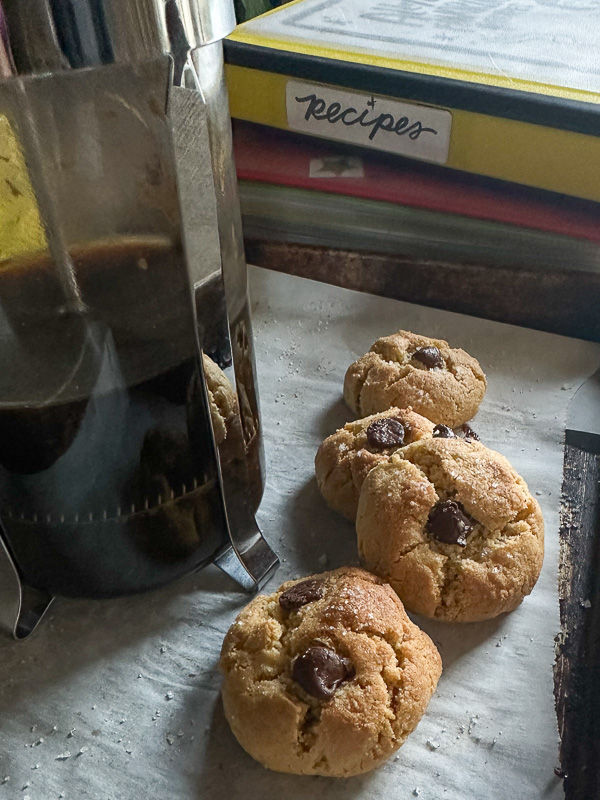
{"points": [[301, 593], [443, 432], [320, 671], [448, 522], [430, 356], [387, 432], [468, 432]]}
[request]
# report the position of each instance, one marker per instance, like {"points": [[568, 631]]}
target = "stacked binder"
{"points": [[507, 91]]}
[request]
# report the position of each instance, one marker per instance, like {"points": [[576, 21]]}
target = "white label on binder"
{"points": [[369, 120]]}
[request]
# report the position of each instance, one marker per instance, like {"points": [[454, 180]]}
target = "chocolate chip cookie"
{"points": [[444, 384], [327, 675], [345, 458], [453, 528]]}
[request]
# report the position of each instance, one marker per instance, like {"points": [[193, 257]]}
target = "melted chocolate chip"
{"points": [[301, 593], [468, 432], [443, 432], [430, 356], [387, 432], [448, 522], [320, 671]]}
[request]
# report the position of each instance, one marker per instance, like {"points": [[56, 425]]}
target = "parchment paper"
{"points": [[135, 680]]}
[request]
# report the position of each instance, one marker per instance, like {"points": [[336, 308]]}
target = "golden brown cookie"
{"points": [[344, 459], [453, 528], [327, 675], [444, 384]]}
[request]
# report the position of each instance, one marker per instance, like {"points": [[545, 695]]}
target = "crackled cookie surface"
{"points": [[453, 528], [345, 458], [327, 675], [442, 383]]}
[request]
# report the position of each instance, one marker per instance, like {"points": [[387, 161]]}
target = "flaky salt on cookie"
{"points": [[346, 457], [327, 675], [453, 528], [444, 384]]}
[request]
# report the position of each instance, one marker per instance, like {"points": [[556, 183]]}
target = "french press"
{"points": [[130, 439]]}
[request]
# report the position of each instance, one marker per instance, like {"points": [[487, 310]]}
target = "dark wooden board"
{"points": [[577, 669], [559, 301]]}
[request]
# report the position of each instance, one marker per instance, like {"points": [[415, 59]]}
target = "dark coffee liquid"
{"points": [[101, 490]]}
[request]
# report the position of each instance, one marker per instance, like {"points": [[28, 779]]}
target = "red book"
{"points": [[271, 156]]}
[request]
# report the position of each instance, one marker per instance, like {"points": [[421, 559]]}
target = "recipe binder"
{"points": [[508, 91]]}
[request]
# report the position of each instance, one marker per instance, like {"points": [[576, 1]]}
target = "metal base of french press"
{"points": [[21, 606], [252, 569], [247, 558]]}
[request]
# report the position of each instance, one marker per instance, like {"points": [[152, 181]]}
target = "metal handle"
{"points": [[21, 606], [246, 557]]}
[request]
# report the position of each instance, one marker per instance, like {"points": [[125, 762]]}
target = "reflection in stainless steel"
{"points": [[47, 36], [127, 97], [21, 607]]}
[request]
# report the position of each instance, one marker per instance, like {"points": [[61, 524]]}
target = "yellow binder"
{"points": [[515, 110]]}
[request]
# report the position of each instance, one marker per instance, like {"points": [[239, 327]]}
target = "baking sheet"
{"points": [[117, 700]]}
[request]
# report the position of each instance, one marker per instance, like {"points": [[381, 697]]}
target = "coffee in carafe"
{"points": [[99, 444]]}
